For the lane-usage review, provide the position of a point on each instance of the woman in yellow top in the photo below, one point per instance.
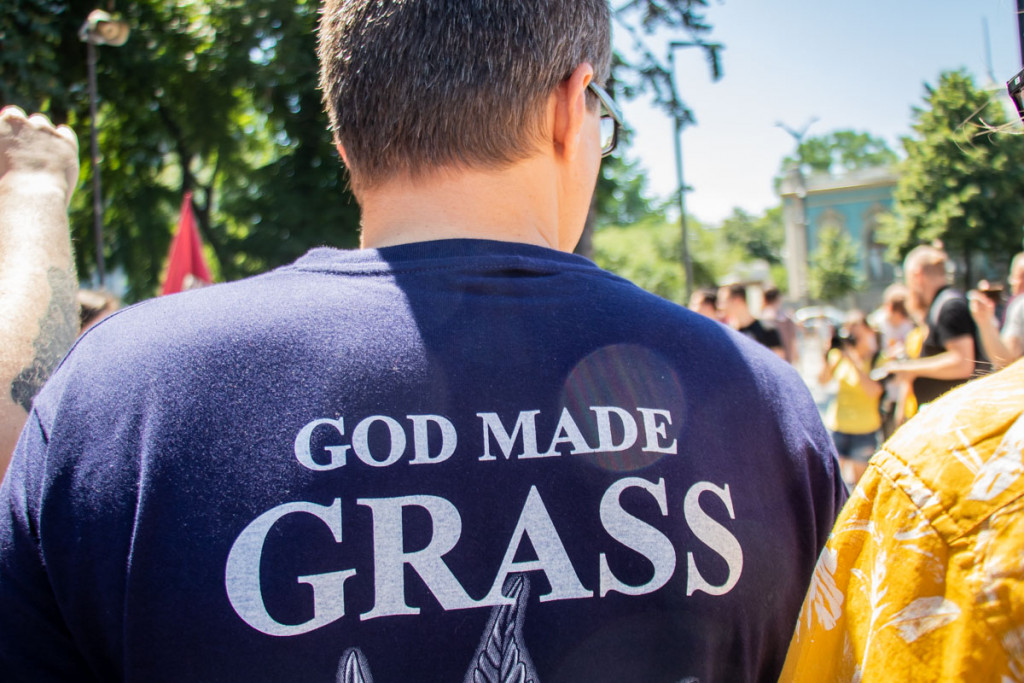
(853, 417)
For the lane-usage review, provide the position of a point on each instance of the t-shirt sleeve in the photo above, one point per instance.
(954, 320)
(772, 338)
(35, 644)
(1014, 325)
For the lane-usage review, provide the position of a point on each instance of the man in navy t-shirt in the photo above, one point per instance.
(459, 454)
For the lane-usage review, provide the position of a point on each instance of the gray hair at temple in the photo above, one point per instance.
(414, 86)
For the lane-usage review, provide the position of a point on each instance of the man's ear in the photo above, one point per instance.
(571, 111)
(341, 151)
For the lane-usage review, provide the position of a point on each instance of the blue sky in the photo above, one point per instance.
(854, 65)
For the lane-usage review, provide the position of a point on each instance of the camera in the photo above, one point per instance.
(840, 339)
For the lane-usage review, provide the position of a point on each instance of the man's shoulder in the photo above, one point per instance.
(1015, 314)
(948, 299)
(961, 455)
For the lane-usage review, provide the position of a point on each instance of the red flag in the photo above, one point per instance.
(186, 256)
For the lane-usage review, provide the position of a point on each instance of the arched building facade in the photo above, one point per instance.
(853, 203)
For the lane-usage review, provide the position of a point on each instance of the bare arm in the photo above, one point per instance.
(956, 362)
(1000, 350)
(828, 368)
(38, 313)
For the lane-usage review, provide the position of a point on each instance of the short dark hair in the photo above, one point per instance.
(771, 295)
(738, 292)
(412, 86)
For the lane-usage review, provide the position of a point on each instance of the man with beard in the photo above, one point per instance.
(952, 353)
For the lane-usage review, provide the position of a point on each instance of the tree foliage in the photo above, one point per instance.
(220, 97)
(641, 71)
(215, 97)
(962, 182)
(621, 195)
(647, 254)
(757, 237)
(833, 271)
(841, 151)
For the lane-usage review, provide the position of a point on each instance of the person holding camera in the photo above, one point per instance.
(853, 417)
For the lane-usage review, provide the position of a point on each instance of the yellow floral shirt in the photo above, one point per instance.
(922, 578)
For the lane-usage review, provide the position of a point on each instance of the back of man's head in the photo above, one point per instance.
(931, 262)
(415, 86)
(738, 293)
(772, 295)
(1017, 264)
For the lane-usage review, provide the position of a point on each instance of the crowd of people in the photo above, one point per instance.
(462, 452)
(924, 339)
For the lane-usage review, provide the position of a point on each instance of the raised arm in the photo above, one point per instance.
(38, 313)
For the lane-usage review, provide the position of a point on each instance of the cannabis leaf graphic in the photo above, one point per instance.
(352, 668)
(502, 655)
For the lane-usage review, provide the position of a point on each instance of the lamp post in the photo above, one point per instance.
(796, 222)
(100, 28)
(679, 119)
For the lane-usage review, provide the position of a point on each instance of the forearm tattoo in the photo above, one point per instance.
(57, 331)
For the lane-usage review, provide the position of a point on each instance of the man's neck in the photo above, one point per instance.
(743, 319)
(512, 204)
(933, 290)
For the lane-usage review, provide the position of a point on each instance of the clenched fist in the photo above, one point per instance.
(35, 154)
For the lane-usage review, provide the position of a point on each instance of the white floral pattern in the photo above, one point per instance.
(922, 616)
(824, 596)
(923, 576)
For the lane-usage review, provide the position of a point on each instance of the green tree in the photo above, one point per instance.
(833, 271)
(841, 151)
(621, 194)
(220, 98)
(647, 254)
(639, 71)
(757, 237)
(215, 97)
(962, 181)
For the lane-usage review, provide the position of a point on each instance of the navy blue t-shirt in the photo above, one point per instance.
(447, 461)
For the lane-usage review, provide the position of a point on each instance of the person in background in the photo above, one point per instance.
(899, 339)
(772, 316)
(922, 579)
(951, 353)
(732, 301)
(94, 306)
(705, 302)
(894, 323)
(1002, 347)
(38, 314)
(853, 416)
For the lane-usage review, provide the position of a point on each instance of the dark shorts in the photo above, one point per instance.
(858, 447)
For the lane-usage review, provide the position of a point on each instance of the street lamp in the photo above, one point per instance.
(796, 221)
(679, 118)
(100, 28)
